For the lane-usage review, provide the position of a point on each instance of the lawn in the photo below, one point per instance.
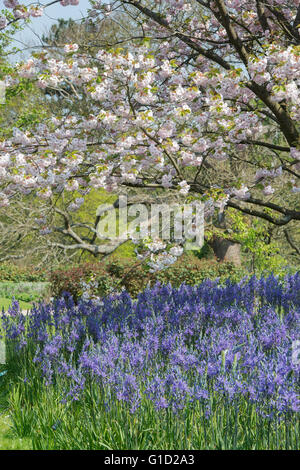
(5, 303)
(8, 438)
(25, 292)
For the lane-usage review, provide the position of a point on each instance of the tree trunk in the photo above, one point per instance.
(226, 250)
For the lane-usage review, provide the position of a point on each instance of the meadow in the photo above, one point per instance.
(211, 366)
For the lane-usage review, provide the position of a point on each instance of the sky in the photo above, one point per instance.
(39, 26)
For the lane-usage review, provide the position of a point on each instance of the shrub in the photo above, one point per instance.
(69, 280)
(188, 270)
(134, 277)
(14, 273)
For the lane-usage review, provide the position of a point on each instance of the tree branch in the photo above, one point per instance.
(193, 45)
(290, 241)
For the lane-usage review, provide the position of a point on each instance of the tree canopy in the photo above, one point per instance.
(200, 98)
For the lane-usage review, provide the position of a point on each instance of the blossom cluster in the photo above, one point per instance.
(23, 12)
(145, 140)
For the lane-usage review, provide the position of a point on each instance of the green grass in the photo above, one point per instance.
(5, 303)
(38, 414)
(8, 439)
(98, 422)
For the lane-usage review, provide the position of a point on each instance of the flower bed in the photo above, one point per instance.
(207, 366)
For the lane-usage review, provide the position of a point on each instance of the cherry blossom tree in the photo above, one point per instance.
(202, 100)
